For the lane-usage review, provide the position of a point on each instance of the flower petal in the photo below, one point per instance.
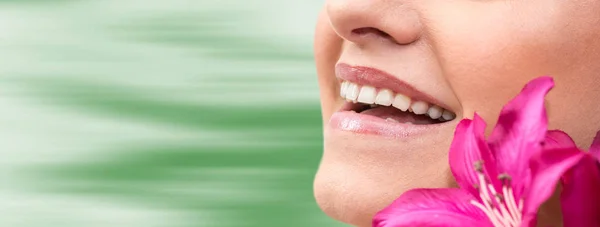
(580, 198)
(558, 139)
(547, 168)
(447, 207)
(520, 130)
(595, 148)
(467, 148)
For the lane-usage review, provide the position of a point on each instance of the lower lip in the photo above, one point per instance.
(367, 124)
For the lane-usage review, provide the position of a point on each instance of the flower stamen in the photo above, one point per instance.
(504, 212)
(514, 211)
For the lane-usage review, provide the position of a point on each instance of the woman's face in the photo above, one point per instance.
(462, 56)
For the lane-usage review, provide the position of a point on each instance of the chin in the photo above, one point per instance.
(361, 173)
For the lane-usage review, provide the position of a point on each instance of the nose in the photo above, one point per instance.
(364, 21)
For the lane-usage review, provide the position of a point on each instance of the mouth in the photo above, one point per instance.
(378, 103)
(392, 107)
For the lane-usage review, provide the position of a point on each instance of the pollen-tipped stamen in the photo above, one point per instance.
(505, 212)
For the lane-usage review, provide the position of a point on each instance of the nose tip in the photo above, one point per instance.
(362, 21)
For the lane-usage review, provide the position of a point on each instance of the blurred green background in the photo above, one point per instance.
(158, 113)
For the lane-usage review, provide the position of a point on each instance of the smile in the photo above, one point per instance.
(393, 107)
(378, 103)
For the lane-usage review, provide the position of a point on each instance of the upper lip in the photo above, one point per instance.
(377, 78)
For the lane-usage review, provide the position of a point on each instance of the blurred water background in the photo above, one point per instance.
(158, 113)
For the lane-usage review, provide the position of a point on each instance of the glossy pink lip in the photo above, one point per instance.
(365, 124)
(377, 78)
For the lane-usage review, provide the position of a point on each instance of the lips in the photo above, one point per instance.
(379, 103)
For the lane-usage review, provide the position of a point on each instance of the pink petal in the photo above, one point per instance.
(520, 131)
(547, 167)
(595, 148)
(467, 148)
(580, 198)
(529, 221)
(558, 139)
(432, 207)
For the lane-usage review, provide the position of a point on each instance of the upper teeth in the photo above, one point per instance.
(371, 95)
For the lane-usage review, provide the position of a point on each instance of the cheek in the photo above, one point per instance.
(489, 59)
(327, 49)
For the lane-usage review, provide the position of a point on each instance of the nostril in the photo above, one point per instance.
(370, 31)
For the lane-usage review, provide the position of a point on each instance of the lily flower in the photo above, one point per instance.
(502, 180)
(580, 195)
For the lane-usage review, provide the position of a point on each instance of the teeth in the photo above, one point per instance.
(385, 97)
(401, 102)
(343, 89)
(352, 92)
(447, 115)
(419, 107)
(435, 112)
(367, 95)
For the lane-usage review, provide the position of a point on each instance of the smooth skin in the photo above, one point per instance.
(474, 56)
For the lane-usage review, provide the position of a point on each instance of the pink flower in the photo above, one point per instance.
(580, 196)
(503, 181)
